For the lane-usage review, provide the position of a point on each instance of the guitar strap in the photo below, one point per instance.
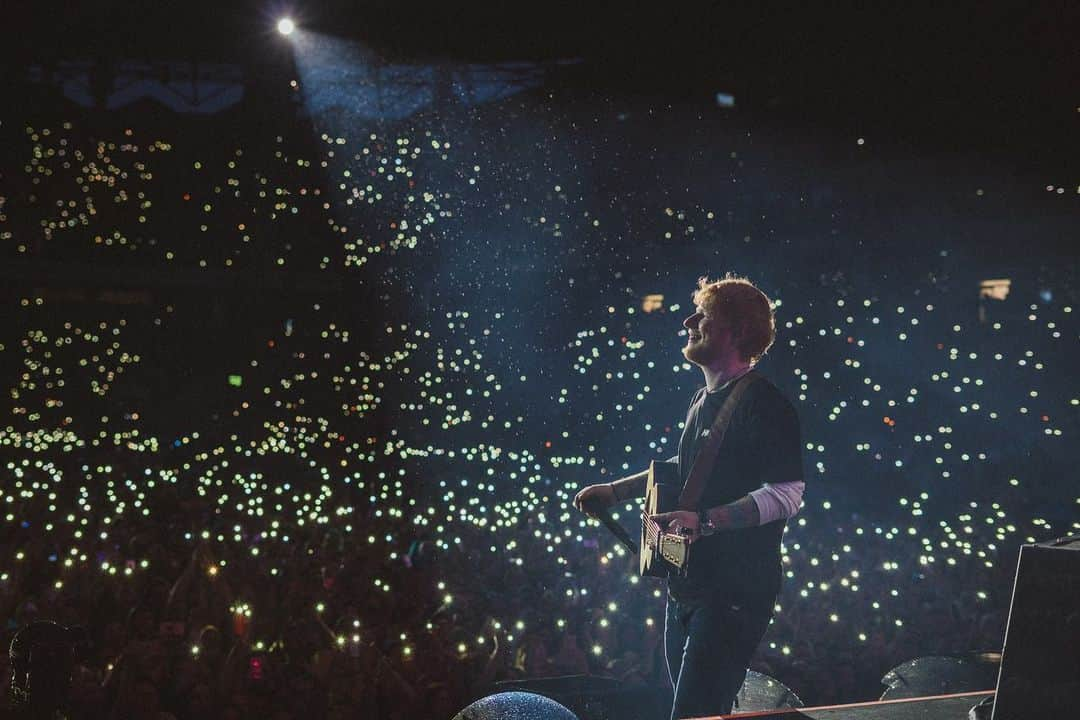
(703, 463)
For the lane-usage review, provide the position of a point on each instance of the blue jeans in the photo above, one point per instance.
(709, 646)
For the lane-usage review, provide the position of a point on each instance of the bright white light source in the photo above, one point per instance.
(285, 26)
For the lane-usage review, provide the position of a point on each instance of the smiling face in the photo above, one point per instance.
(732, 327)
(709, 339)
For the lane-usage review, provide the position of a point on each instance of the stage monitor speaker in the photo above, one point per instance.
(1040, 663)
(941, 675)
(760, 692)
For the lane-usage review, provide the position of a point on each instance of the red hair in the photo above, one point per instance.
(748, 310)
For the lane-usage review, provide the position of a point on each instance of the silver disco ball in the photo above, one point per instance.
(515, 706)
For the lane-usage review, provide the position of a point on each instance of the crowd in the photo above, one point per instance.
(376, 519)
(180, 635)
(217, 589)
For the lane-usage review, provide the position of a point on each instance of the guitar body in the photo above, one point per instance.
(661, 553)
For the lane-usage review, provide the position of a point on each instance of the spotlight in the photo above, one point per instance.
(285, 26)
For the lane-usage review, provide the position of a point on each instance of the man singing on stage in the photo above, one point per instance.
(718, 611)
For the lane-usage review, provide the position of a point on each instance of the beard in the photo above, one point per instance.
(695, 352)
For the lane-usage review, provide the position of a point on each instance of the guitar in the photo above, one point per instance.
(660, 553)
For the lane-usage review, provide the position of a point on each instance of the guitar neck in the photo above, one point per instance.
(617, 530)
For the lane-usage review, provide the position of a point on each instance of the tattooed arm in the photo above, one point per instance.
(742, 513)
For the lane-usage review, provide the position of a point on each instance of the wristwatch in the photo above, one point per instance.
(705, 525)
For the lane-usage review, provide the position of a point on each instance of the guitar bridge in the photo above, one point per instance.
(670, 547)
(674, 549)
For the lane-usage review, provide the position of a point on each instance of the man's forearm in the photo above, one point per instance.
(631, 486)
(742, 513)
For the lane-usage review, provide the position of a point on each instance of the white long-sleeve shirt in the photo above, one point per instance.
(776, 500)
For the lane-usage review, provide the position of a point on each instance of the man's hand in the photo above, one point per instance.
(683, 522)
(595, 498)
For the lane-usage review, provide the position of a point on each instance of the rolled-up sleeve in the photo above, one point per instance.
(781, 500)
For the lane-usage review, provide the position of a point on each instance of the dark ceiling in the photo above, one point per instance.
(996, 72)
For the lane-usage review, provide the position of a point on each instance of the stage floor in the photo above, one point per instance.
(938, 707)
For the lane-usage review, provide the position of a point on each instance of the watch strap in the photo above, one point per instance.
(705, 526)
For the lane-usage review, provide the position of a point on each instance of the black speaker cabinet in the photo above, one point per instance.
(1040, 663)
